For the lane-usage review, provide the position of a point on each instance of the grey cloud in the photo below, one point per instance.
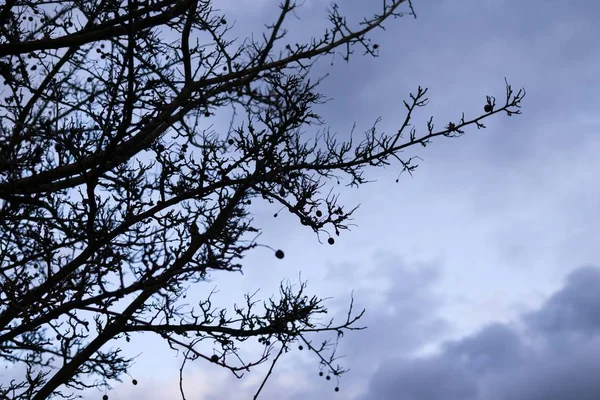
(574, 309)
(405, 317)
(556, 356)
(550, 374)
(495, 347)
(426, 379)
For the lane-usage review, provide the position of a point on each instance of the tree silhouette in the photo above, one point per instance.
(114, 201)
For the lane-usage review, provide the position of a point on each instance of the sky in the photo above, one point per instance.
(480, 273)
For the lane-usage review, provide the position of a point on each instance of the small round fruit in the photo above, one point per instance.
(134, 381)
(214, 358)
(337, 389)
(321, 373)
(230, 141)
(279, 254)
(328, 377)
(105, 397)
(319, 213)
(300, 347)
(331, 240)
(488, 108)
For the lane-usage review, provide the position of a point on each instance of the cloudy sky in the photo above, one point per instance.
(481, 274)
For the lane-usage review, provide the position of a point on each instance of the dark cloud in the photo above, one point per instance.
(573, 310)
(549, 374)
(495, 347)
(555, 356)
(424, 379)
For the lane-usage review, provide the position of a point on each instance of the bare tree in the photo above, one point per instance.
(113, 201)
